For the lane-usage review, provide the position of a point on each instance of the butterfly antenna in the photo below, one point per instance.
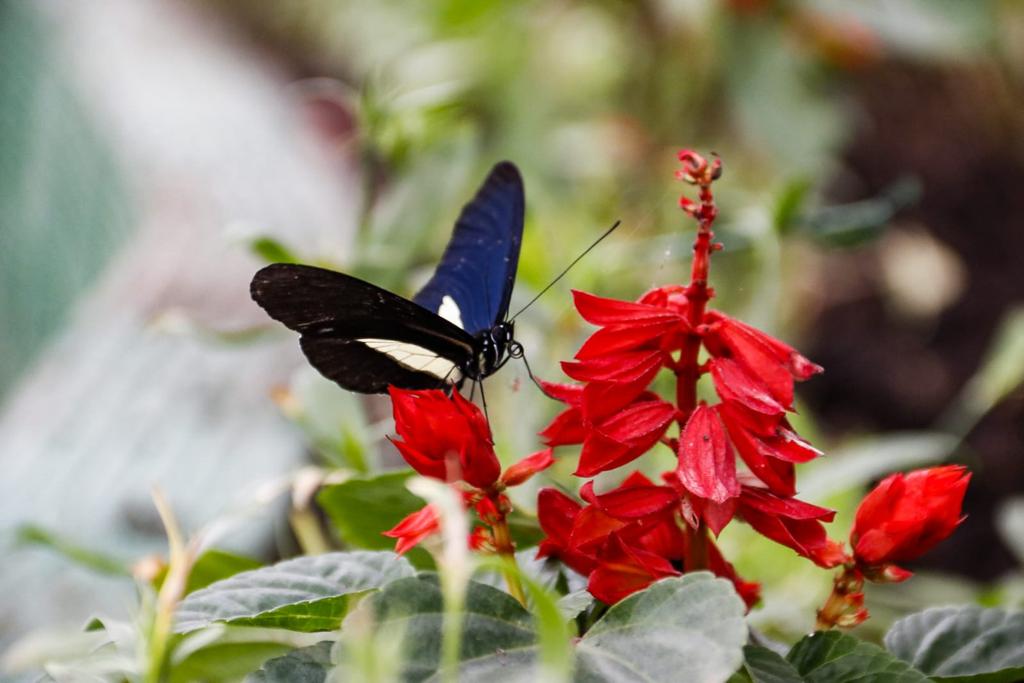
(567, 269)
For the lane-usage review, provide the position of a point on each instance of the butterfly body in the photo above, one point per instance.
(366, 338)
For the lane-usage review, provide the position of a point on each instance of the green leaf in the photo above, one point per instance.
(362, 509)
(689, 628)
(31, 534)
(216, 565)
(224, 661)
(790, 204)
(765, 666)
(498, 638)
(962, 644)
(305, 665)
(304, 594)
(834, 657)
(1001, 372)
(847, 225)
(272, 251)
(573, 604)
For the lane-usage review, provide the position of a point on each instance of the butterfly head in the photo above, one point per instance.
(494, 347)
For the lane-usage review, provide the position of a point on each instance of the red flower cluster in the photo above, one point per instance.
(652, 531)
(449, 439)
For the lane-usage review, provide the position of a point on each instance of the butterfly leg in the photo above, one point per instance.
(517, 351)
(483, 399)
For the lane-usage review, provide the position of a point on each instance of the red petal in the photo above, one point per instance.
(776, 475)
(414, 528)
(624, 570)
(566, 428)
(556, 513)
(636, 502)
(600, 454)
(790, 508)
(592, 527)
(527, 467)
(718, 515)
(625, 367)
(644, 422)
(571, 394)
(707, 467)
(618, 339)
(738, 334)
(599, 310)
(745, 345)
(635, 479)
(423, 464)
(601, 399)
(734, 384)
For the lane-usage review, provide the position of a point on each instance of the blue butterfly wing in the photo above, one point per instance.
(478, 269)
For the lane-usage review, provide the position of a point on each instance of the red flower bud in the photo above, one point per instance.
(444, 438)
(905, 516)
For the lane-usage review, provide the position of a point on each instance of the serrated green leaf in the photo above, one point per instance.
(765, 666)
(498, 637)
(362, 509)
(305, 665)
(834, 657)
(962, 644)
(689, 628)
(305, 594)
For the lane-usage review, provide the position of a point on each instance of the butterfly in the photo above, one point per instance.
(366, 338)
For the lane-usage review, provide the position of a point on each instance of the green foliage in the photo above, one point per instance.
(834, 657)
(33, 534)
(305, 665)
(362, 509)
(215, 565)
(764, 666)
(962, 644)
(497, 633)
(689, 628)
(305, 594)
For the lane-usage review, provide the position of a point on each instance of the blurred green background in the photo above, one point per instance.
(871, 210)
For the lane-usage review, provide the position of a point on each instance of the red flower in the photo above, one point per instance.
(768, 445)
(623, 569)
(414, 528)
(613, 440)
(905, 516)
(623, 539)
(773, 362)
(791, 522)
(444, 438)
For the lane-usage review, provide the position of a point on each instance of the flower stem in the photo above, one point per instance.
(506, 548)
(845, 604)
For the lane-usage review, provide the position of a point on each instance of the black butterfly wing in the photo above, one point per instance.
(359, 335)
(478, 268)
